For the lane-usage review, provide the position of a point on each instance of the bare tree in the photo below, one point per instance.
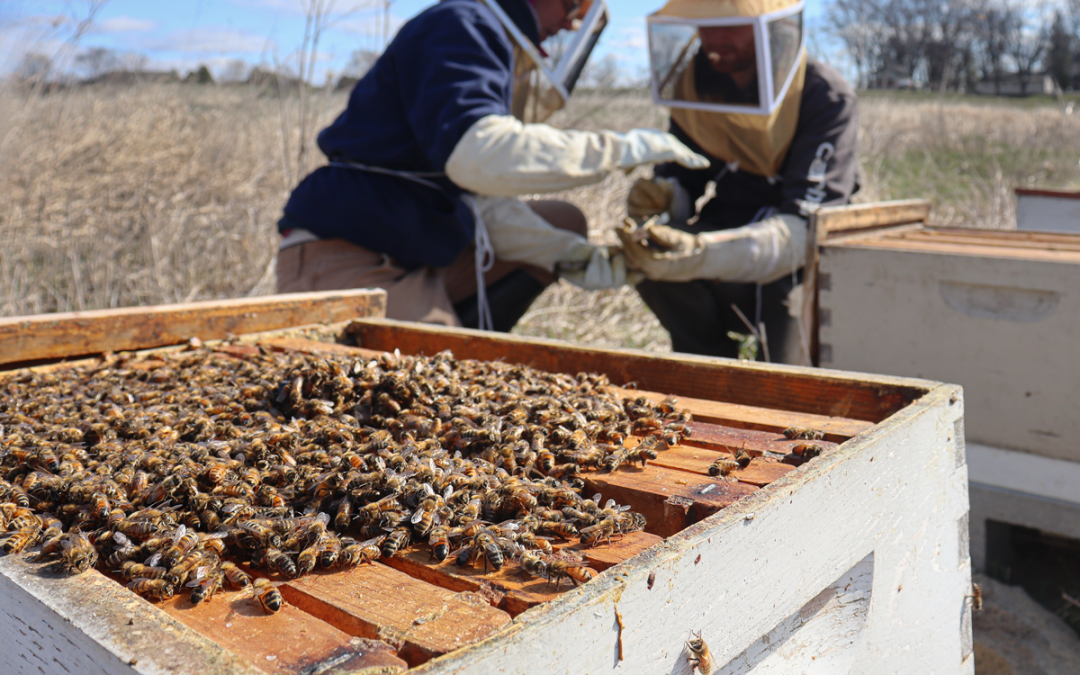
(234, 70)
(994, 20)
(1026, 38)
(602, 74)
(319, 16)
(33, 68)
(1059, 56)
(856, 24)
(360, 62)
(96, 61)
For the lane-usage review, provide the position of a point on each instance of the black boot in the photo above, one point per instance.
(509, 299)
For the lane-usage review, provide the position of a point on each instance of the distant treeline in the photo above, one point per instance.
(948, 45)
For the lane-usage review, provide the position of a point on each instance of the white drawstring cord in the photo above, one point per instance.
(484, 260)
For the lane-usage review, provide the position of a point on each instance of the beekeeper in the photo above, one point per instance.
(420, 195)
(780, 131)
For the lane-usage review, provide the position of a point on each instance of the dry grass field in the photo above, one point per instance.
(165, 193)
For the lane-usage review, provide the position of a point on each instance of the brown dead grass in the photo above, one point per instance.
(166, 193)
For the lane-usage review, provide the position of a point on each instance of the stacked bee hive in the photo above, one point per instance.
(299, 457)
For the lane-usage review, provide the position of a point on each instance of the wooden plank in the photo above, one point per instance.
(55, 336)
(966, 250)
(288, 641)
(508, 589)
(759, 473)
(836, 220)
(90, 625)
(374, 601)
(837, 429)
(670, 500)
(977, 239)
(620, 549)
(826, 393)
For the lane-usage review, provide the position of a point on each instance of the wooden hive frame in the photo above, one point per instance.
(777, 570)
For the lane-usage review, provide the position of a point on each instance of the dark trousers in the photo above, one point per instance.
(698, 315)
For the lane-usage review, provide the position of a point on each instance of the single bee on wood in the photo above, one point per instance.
(800, 434)
(976, 597)
(267, 597)
(700, 658)
(723, 465)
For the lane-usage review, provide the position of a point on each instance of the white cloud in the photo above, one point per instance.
(124, 24)
(209, 39)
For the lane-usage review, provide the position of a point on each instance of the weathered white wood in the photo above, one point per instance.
(1004, 327)
(860, 556)
(898, 492)
(1024, 472)
(1047, 210)
(823, 636)
(88, 624)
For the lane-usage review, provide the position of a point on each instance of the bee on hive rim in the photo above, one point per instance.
(700, 658)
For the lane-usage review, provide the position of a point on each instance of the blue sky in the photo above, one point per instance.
(182, 34)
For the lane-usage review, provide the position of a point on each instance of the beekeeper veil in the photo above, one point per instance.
(546, 75)
(732, 72)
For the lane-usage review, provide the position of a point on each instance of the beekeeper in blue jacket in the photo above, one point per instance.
(426, 164)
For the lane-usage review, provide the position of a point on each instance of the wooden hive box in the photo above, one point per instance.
(996, 312)
(853, 560)
(1044, 210)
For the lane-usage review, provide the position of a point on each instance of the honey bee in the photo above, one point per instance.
(799, 434)
(642, 453)
(700, 658)
(742, 457)
(398, 539)
(591, 536)
(206, 583)
(560, 529)
(262, 535)
(439, 540)
(343, 518)
(236, 577)
(976, 598)
(722, 466)
(281, 562)
(614, 460)
(131, 570)
(155, 589)
(576, 571)
(78, 554)
(356, 553)
(183, 541)
(21, 539)
(308, 558)
(267, 597)
(179, 572)
(807, 451)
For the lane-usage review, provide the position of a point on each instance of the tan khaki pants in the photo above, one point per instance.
(426, 294)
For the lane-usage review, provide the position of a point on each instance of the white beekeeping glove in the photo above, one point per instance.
(518, 234)
(761, 252)
(501, 157)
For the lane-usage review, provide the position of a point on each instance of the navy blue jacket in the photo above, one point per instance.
(447, 67)
(820, 167)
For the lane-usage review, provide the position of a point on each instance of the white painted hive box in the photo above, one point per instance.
(856, 559)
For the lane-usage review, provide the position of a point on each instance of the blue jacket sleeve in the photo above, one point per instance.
(463, 73)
